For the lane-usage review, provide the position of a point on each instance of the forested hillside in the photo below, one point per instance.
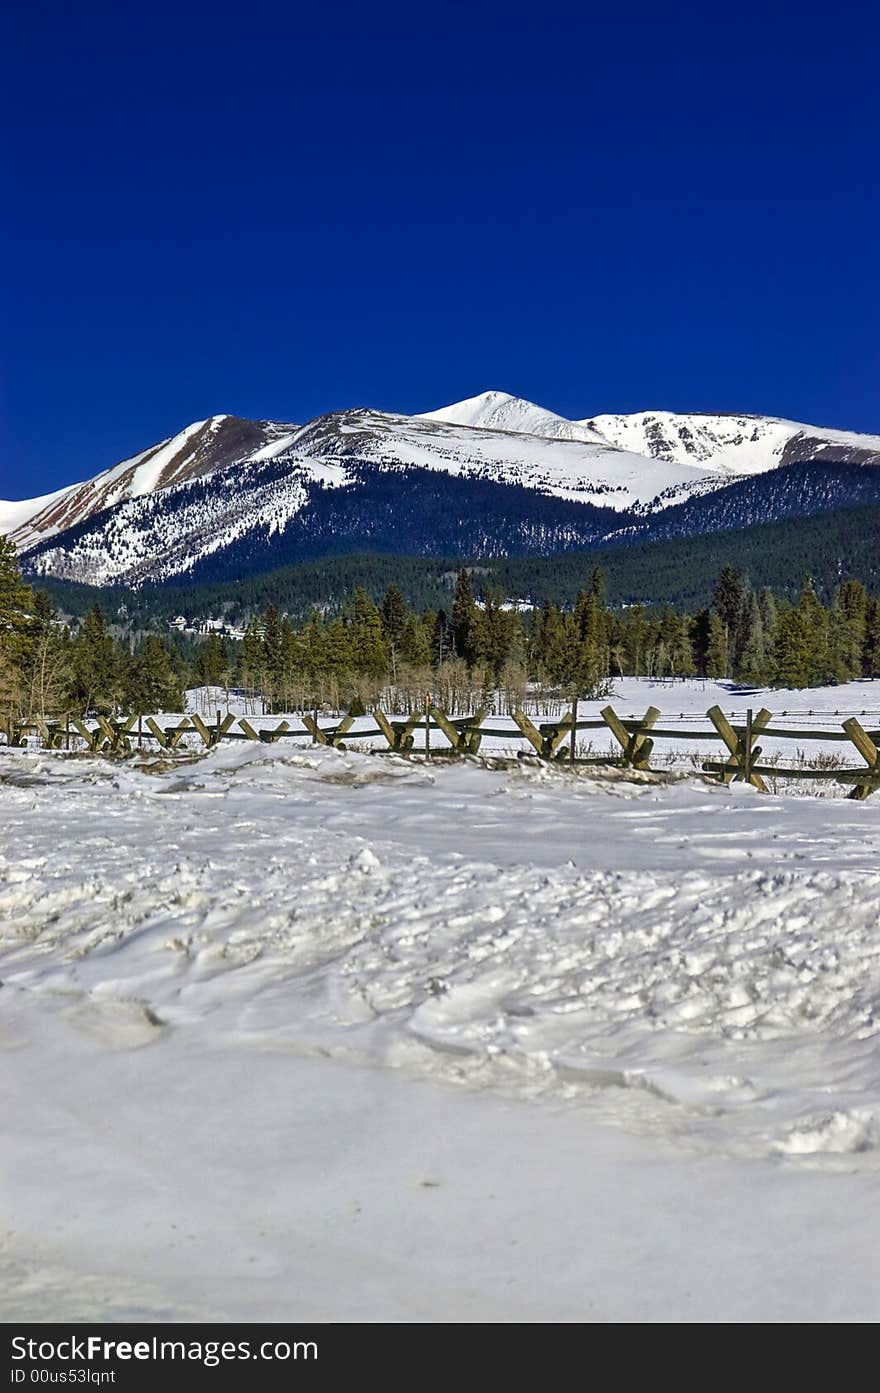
(680, 572)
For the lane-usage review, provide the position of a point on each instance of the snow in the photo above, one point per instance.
(727, 445)
(14, 514)
(362, 1038)
(584, 471)
(500, 411)
(137, 540)
(136, 477)
(145, 478)
(39, 517)
(853, 439)
(276, 447)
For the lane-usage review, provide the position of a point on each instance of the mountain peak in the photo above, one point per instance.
(494, 410)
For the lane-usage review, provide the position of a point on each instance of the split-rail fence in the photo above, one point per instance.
(740, 757)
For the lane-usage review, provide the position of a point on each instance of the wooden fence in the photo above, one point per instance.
(556, 740)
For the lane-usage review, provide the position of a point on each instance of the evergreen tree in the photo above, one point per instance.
(728, 601)
(313, 651)
(683, 664)
(464, 619)
(637, 640)
(369, 650)
(871, 650)
(16, 606)
(591, 635)
(338, 657)
(394, 616)
(769, 616)
(251, 665)
(442, 639)
(552, 644)
(394, 620)
(491, 634)
(848, 627)
(96, 666)
(415, 643)
(273, 657)
(699, 633)
(752, 655)
(716, 647)
(819, 667)
(728, 596)
(791, 656)
(152, 684)
(212, 662)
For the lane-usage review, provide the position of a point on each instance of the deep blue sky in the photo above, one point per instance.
(278, 210)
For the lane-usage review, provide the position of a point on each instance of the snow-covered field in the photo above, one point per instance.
(301, 1033)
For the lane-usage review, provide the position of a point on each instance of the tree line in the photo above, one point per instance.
(390, 651)
(752, 637)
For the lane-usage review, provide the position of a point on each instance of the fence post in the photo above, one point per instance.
(158, 732)
(747, 749)
(553, 736)
(427, 728)
(178, 732)
(574, 717)
(637, 748)
(206, 733)
(734, 767)
(473, 741)
(869, 752)
(405, 737)
(386, 728)
(343, 725)
(311, 725)
(529, 730)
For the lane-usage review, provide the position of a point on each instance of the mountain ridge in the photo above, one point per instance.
(511, 478)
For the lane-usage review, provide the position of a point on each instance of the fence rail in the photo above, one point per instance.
(549, 740)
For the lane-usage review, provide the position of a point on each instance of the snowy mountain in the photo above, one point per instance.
(732, 445)
(493, 475)
(197, 450)
(500, 411)
(588, 470)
